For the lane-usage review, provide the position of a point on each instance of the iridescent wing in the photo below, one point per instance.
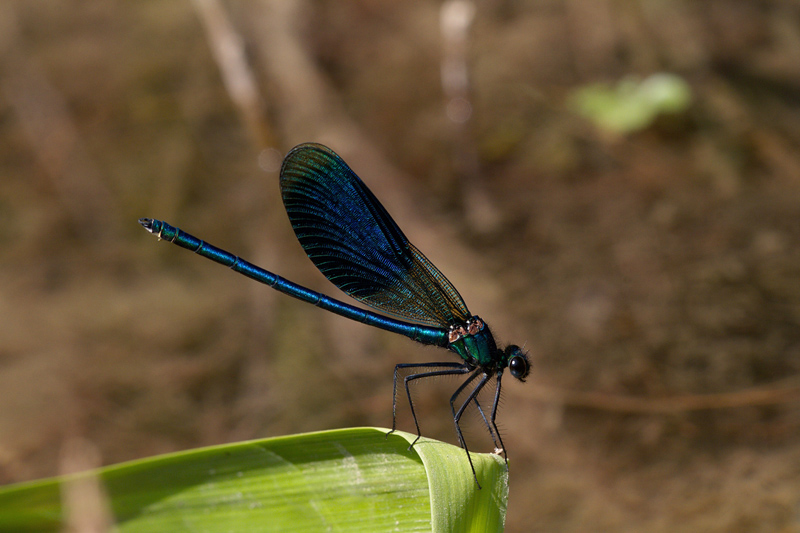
(354, 242)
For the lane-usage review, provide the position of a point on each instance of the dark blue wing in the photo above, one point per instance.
(354, 242)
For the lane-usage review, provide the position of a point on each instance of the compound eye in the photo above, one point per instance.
(519, 366)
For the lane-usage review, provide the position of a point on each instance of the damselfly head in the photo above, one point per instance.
(518, 363)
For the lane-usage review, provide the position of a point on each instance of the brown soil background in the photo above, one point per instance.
(654, 277)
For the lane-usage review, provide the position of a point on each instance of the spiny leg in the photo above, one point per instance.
(452, 368)
(409, 379)
(457, 415)
(493, 415)
(455, 395)
(489, 426)
(413, 365)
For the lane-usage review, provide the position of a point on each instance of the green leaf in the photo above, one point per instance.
(632, 104)
(343, 480)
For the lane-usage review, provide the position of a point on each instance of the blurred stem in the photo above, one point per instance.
(228, 49)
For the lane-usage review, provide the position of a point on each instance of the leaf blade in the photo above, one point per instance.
(354, 479)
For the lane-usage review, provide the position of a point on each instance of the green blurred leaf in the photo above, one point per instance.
(632, 104)
(342, 480)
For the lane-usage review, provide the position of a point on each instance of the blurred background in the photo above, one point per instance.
(613, 185)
